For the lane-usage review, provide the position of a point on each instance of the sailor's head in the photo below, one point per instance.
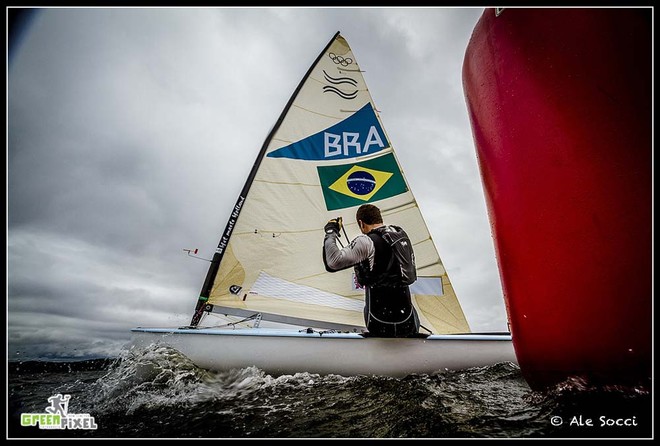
(368, 215)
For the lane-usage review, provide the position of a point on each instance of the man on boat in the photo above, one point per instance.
(388, 309)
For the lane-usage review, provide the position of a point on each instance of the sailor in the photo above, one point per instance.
(388, 309)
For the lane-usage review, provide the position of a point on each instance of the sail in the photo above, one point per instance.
(328, 154)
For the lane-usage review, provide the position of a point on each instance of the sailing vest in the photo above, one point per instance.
(394, 262)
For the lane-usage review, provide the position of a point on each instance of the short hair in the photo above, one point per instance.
(369, 214)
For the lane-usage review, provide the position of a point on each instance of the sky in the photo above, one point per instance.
(131, 132)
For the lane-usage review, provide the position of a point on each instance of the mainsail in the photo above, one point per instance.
(327, 154)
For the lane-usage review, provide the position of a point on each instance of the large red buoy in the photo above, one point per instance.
(560, 103)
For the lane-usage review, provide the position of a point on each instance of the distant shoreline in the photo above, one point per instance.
(58, 364)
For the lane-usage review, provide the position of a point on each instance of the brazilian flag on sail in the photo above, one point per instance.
(348, 185)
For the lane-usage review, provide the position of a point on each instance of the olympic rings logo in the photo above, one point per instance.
(339, 60)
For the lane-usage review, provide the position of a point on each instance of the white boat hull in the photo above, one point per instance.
(281, 352)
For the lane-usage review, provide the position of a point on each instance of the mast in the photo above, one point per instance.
(202, 304)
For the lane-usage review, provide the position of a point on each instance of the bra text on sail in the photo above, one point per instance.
(349, 143)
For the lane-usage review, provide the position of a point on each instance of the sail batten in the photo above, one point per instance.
(337, 118)
(285, 319)
(327, 154)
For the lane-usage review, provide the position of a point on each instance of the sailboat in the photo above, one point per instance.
(267, 300)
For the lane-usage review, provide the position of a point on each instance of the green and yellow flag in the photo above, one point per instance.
(348, 185)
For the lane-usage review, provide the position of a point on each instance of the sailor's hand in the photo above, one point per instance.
(332, 226)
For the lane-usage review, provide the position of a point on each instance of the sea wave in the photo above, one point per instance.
(157, 392)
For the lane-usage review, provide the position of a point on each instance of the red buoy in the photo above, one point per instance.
(560, 103)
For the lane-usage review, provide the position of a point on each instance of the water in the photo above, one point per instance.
(159, 393)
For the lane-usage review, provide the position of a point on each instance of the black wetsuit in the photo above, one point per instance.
(388, 310)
